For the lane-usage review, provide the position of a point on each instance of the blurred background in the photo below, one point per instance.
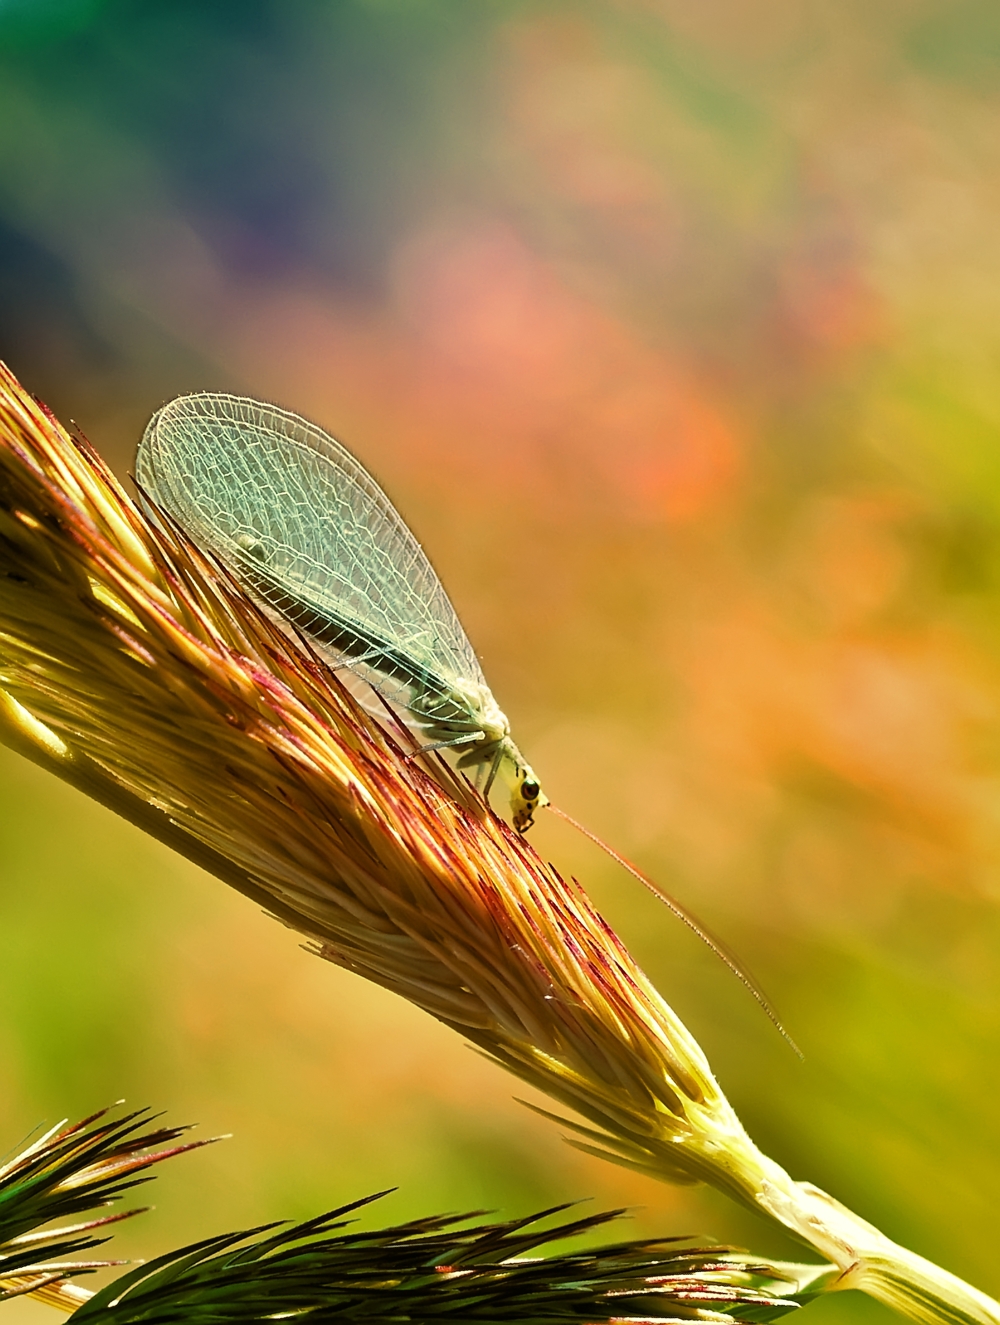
(673, 328)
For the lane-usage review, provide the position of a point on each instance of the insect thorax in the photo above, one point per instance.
(469, 706)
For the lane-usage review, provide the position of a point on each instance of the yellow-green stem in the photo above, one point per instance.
(866, 1258)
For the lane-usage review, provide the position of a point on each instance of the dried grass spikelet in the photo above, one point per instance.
(136, 669)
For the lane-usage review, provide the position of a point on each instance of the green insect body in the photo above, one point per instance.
(307, 530)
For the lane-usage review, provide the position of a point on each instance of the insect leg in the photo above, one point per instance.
(459, 740)
(494, 769)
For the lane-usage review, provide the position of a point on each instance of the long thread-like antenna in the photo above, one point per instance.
(684, 915)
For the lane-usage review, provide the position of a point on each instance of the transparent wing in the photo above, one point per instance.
(292, 512)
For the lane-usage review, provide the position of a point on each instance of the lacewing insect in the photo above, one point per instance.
(298, 520)
(301, 524)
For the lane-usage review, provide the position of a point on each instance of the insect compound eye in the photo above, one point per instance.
(530, 790)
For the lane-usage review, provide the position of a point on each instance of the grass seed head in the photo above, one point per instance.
(134, 666)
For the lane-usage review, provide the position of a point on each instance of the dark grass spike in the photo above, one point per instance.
(434, 1269)
(68, 1170)
(80, 1167)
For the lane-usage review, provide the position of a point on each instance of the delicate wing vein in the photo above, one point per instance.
(298, 517)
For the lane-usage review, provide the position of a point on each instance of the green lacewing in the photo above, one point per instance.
(300, 522)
